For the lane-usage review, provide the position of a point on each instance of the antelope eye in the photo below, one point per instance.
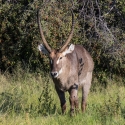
(60, 58)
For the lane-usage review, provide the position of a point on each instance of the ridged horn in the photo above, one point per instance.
(41, 33)
(70, 35)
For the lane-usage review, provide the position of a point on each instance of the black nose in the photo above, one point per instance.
(53, 74)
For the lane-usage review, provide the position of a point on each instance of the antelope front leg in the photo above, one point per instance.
(61, 95)
(73, 99)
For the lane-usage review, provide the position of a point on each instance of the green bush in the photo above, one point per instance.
(99, 27)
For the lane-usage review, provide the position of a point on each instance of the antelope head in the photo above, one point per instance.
(57, 57)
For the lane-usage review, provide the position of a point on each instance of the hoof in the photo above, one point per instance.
(72, 113)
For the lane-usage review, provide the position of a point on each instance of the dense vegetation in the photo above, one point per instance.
(27, 92)
(100, 27)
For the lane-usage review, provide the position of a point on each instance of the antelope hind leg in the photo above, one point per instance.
(85, 91)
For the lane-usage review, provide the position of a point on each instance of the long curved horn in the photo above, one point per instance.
(41, 33)
(71, 34)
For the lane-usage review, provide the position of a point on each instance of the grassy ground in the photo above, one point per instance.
(31, 100)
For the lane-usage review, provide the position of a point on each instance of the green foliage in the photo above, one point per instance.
(103, 34)
(18, 29)
(46, 105)
(99, 27)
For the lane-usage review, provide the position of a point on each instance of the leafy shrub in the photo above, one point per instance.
(99, 27)
(46, 105)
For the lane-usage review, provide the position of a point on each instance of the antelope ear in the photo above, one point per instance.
(69, 50)
(42, 49)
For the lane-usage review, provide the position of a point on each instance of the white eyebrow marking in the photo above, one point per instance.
(57, 61)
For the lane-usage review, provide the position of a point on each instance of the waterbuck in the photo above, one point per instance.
(71, 67)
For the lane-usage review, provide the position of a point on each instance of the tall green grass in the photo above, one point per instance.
(30, 99)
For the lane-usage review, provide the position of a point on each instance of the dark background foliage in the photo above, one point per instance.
(100, 27)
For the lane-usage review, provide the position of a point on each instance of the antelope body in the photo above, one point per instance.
(71, 67)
